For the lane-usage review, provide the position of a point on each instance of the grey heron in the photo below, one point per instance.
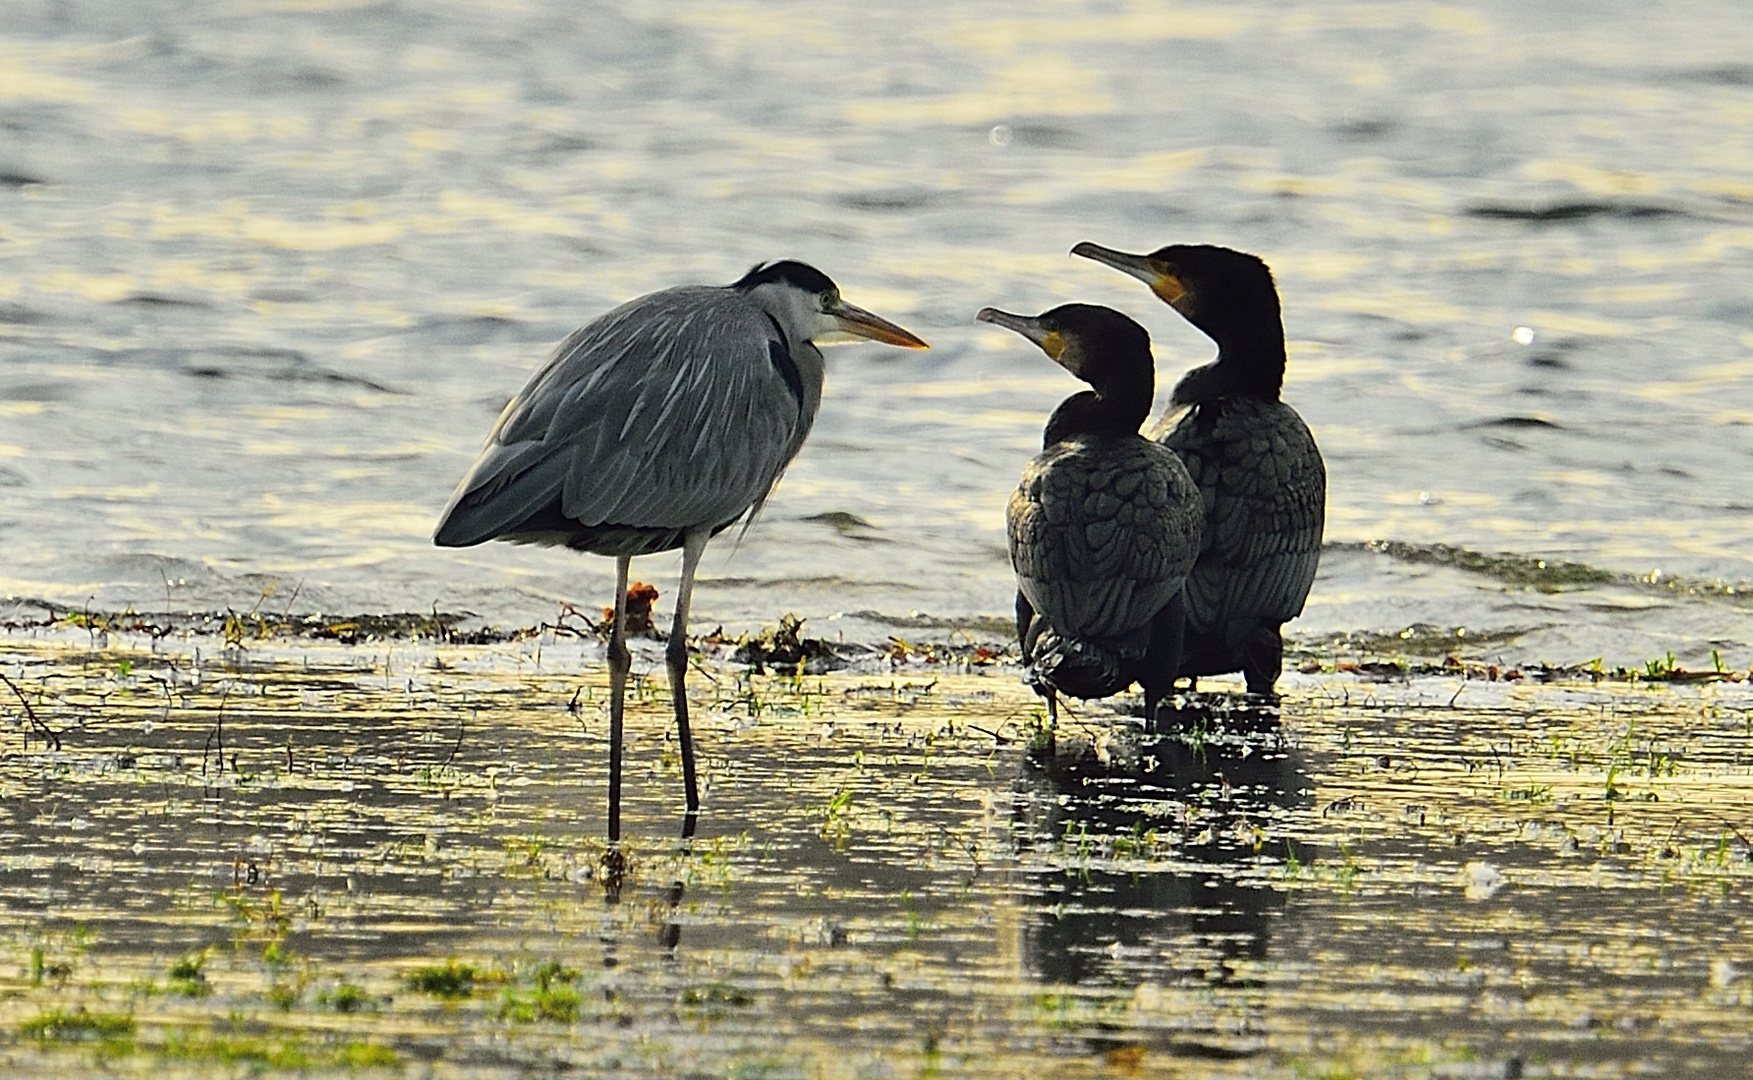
(655, 427)
(1258, 469)
(1105, 524)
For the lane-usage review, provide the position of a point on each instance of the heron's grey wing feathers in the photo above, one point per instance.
(506, 485)
(663, 412)
(1264, 488)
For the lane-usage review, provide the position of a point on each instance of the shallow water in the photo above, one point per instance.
(394, 862)
(267, 273)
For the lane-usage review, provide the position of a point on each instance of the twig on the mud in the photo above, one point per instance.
(1739, 835)
(50, 739)
(591, 629)
(995, 736)
(162, 629)
(972, 849)
(218, 733)
(462, 726)
(286, 612)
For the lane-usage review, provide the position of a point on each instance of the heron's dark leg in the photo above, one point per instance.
(677, 657)
(1263, 660)
(620, 663)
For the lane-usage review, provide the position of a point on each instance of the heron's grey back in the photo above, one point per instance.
(672, 411)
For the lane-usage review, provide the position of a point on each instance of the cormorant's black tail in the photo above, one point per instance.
(1082, 669)
(1085, 668)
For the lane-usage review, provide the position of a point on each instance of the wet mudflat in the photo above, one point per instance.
(387, 859)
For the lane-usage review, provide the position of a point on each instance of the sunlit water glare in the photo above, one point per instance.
(267, 274)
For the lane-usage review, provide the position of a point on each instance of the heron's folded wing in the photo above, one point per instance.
(666, 412)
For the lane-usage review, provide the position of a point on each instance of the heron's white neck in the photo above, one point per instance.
(798, 313)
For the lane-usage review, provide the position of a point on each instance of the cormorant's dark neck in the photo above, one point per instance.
(1250, 363)
(1116, 408)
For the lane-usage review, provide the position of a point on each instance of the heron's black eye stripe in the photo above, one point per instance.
(780, 354)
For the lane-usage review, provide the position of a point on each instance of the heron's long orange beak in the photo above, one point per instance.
(861, 323)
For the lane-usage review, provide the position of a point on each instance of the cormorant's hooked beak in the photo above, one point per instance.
(1153, 272)
(1032, 328)
(861, 323)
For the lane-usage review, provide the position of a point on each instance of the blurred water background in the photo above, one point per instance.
(269, 270)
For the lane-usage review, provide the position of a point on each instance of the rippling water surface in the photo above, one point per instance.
(268, 271)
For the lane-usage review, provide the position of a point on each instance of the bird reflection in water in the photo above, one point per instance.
(1198, 920)
(665, 913)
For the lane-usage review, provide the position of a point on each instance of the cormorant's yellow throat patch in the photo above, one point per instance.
(1169, 287)
(1053, 344)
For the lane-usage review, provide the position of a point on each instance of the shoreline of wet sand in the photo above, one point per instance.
(338, 858)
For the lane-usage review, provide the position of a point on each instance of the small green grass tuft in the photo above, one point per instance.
(237, 1049)
(359, 1055)
(60, 1024)
(558, 1003)
(187, 977)
(716, 994)
(447, 980)
(554, 997)
(258, 1053)
(553, 971)
(346, 998)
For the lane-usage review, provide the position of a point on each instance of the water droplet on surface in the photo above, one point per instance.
(999, 135)
(1522, 335)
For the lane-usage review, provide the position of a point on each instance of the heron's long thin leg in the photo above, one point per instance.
(620, 663)
(677, 657)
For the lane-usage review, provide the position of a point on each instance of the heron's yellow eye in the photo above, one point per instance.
(1053, 344)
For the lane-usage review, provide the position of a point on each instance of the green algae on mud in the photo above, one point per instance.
(327, 859)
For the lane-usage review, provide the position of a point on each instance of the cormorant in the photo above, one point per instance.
(1105, 523)
(1259, 472)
